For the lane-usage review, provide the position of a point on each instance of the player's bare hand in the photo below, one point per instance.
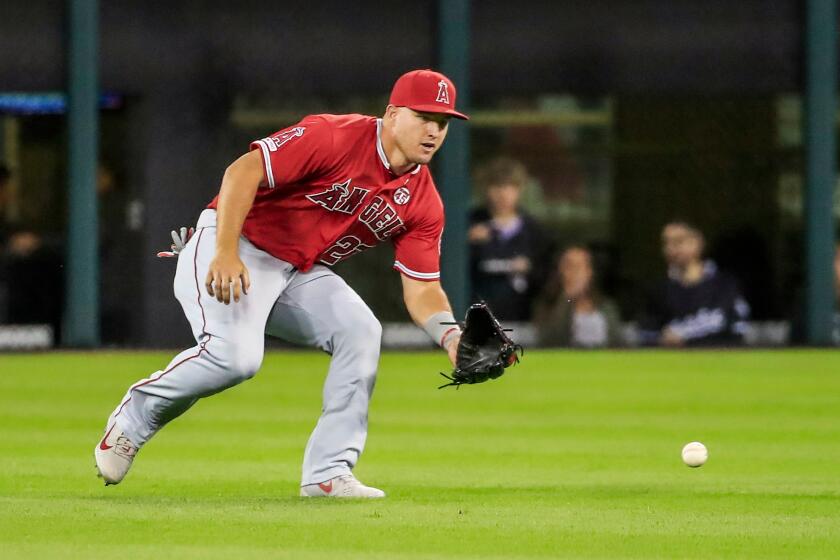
(452, 349)
(227, 277)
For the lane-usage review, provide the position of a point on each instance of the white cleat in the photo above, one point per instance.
(114, 455)
(343, 486)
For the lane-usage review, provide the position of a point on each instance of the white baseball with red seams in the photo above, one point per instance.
(695, 454)
(329, 193)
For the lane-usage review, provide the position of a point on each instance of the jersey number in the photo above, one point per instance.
(343, 248)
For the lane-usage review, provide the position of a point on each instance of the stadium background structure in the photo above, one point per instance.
(457, 32)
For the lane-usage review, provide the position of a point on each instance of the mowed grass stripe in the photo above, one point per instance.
(569, 455)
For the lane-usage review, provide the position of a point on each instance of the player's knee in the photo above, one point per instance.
(368, 332)
(373, 330)
(246, 367)
(241, 361)
(363, 333)
(247, 361)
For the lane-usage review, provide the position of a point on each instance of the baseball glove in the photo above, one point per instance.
(485, 349)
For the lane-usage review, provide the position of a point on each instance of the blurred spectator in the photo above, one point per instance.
(697, 304)
(116, 261)
(31, 269)
(5, 177)
(571, 311)
(32, 265)
(507, 247)
(5, 180)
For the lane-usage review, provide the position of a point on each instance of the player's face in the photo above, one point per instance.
(680, 245)
(419, 135)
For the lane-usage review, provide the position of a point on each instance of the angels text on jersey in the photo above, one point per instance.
(380, 217)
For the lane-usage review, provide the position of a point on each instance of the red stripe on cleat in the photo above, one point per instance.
(104, 446)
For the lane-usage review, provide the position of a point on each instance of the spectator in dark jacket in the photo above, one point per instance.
(571, 310)
(697, 304)
(508, 254)
(30, 269)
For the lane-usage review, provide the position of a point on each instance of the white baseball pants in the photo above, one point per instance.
(314, 308)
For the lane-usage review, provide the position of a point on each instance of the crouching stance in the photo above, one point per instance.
(300, 201)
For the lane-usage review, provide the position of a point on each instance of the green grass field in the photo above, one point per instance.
(569, 455)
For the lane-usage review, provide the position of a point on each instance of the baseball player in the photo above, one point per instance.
(298, 202)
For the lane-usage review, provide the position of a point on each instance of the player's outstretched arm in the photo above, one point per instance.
(227, 275)
(429, 307)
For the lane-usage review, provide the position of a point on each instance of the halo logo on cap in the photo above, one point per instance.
(443, 92)
(426, 91)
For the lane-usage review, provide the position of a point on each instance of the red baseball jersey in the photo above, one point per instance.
(329, 193)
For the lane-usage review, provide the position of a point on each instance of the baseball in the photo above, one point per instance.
(695, 454)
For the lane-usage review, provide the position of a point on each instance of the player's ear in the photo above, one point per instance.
(390, 112)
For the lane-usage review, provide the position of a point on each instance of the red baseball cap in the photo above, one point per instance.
(426, 91)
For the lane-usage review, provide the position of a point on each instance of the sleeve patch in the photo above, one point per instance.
(273, 143)
(271, 153)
